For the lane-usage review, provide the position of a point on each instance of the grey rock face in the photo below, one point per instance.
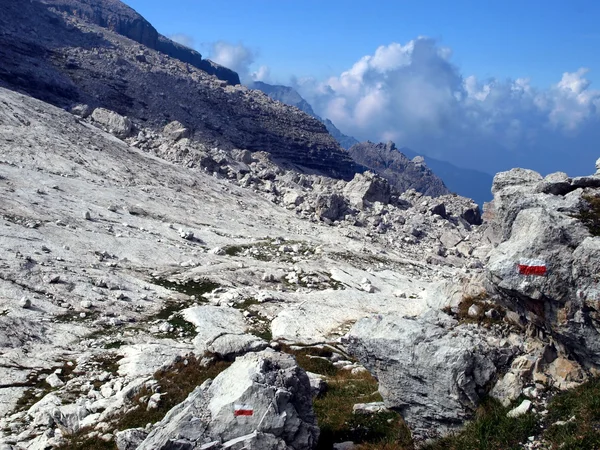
(429, 369)
(114, 123)
(331, 206)
(221, 331)
(557, 183)
(544, 268)
(119, 18)
(367, 187)
(176, 130)
(264, 398)
(73, 65)
(402, 173)
(130, 439)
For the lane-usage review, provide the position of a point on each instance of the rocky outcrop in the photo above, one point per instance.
(112, 122)
(115, 16)
(402, 173)
(221, 331)
(369, 188)
(81, 63)
(546, 266)
(429, 369)
(263, 402)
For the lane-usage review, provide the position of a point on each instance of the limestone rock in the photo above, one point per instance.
(331, 206)
(557, 183)
(222, 331)
(130, 439)
(116, 124)
(367, 187)
(176, 130)
(523, 408)
(402, 173)
(429, 369)
(264, 393)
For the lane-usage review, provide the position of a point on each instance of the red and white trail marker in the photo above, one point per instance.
(243, 410)
(535, 267)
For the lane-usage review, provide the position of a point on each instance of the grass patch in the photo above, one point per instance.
(490, 430)
(37, 386)
(114, 344)
(190, 287)
(170, 311)
(82, 441)
(338, 423)
(583, 403)
(235, 250)
(247, 303)
(312, 359)
(176, 382)
(75, 317)
(590, 214)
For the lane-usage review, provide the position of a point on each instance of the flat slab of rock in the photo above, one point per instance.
(145, 359)
(222, 330)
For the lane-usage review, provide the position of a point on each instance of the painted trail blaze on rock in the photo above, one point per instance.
(535, 267)
(243, 410)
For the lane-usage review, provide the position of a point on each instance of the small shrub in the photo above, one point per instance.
(590, 214)
(490, 430)
(190, 287)
(176, 382)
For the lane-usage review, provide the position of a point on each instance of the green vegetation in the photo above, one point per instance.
(37, 386)
(176, 383)
(590, 214)
(189, 287)
(114, 344)
(171, 309)
(582, 404)
(82, 441)
(338, 423)
(312, 359)
(490, 430)
(75, 317)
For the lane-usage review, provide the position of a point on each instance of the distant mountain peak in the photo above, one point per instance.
(385, 160)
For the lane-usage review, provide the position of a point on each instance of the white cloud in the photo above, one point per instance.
(240, 58)
(415, 92)
(183, 39)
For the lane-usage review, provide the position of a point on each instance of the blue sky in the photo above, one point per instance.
(488, 85)
(507, 38)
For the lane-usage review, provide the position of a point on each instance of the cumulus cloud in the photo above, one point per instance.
(415, 95)
(240, 58)
(183, 39)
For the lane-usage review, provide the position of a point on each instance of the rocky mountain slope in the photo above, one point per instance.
(290, 96)
(161, 287)
(466, 182)
(402, 173)
(67, 61)
(120, 18)
(99, 235)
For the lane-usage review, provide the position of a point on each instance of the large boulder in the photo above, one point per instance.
(263, 401)
(367, 188)
(114, 123)
(430, 369)
(545, 268)
(331, 206)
